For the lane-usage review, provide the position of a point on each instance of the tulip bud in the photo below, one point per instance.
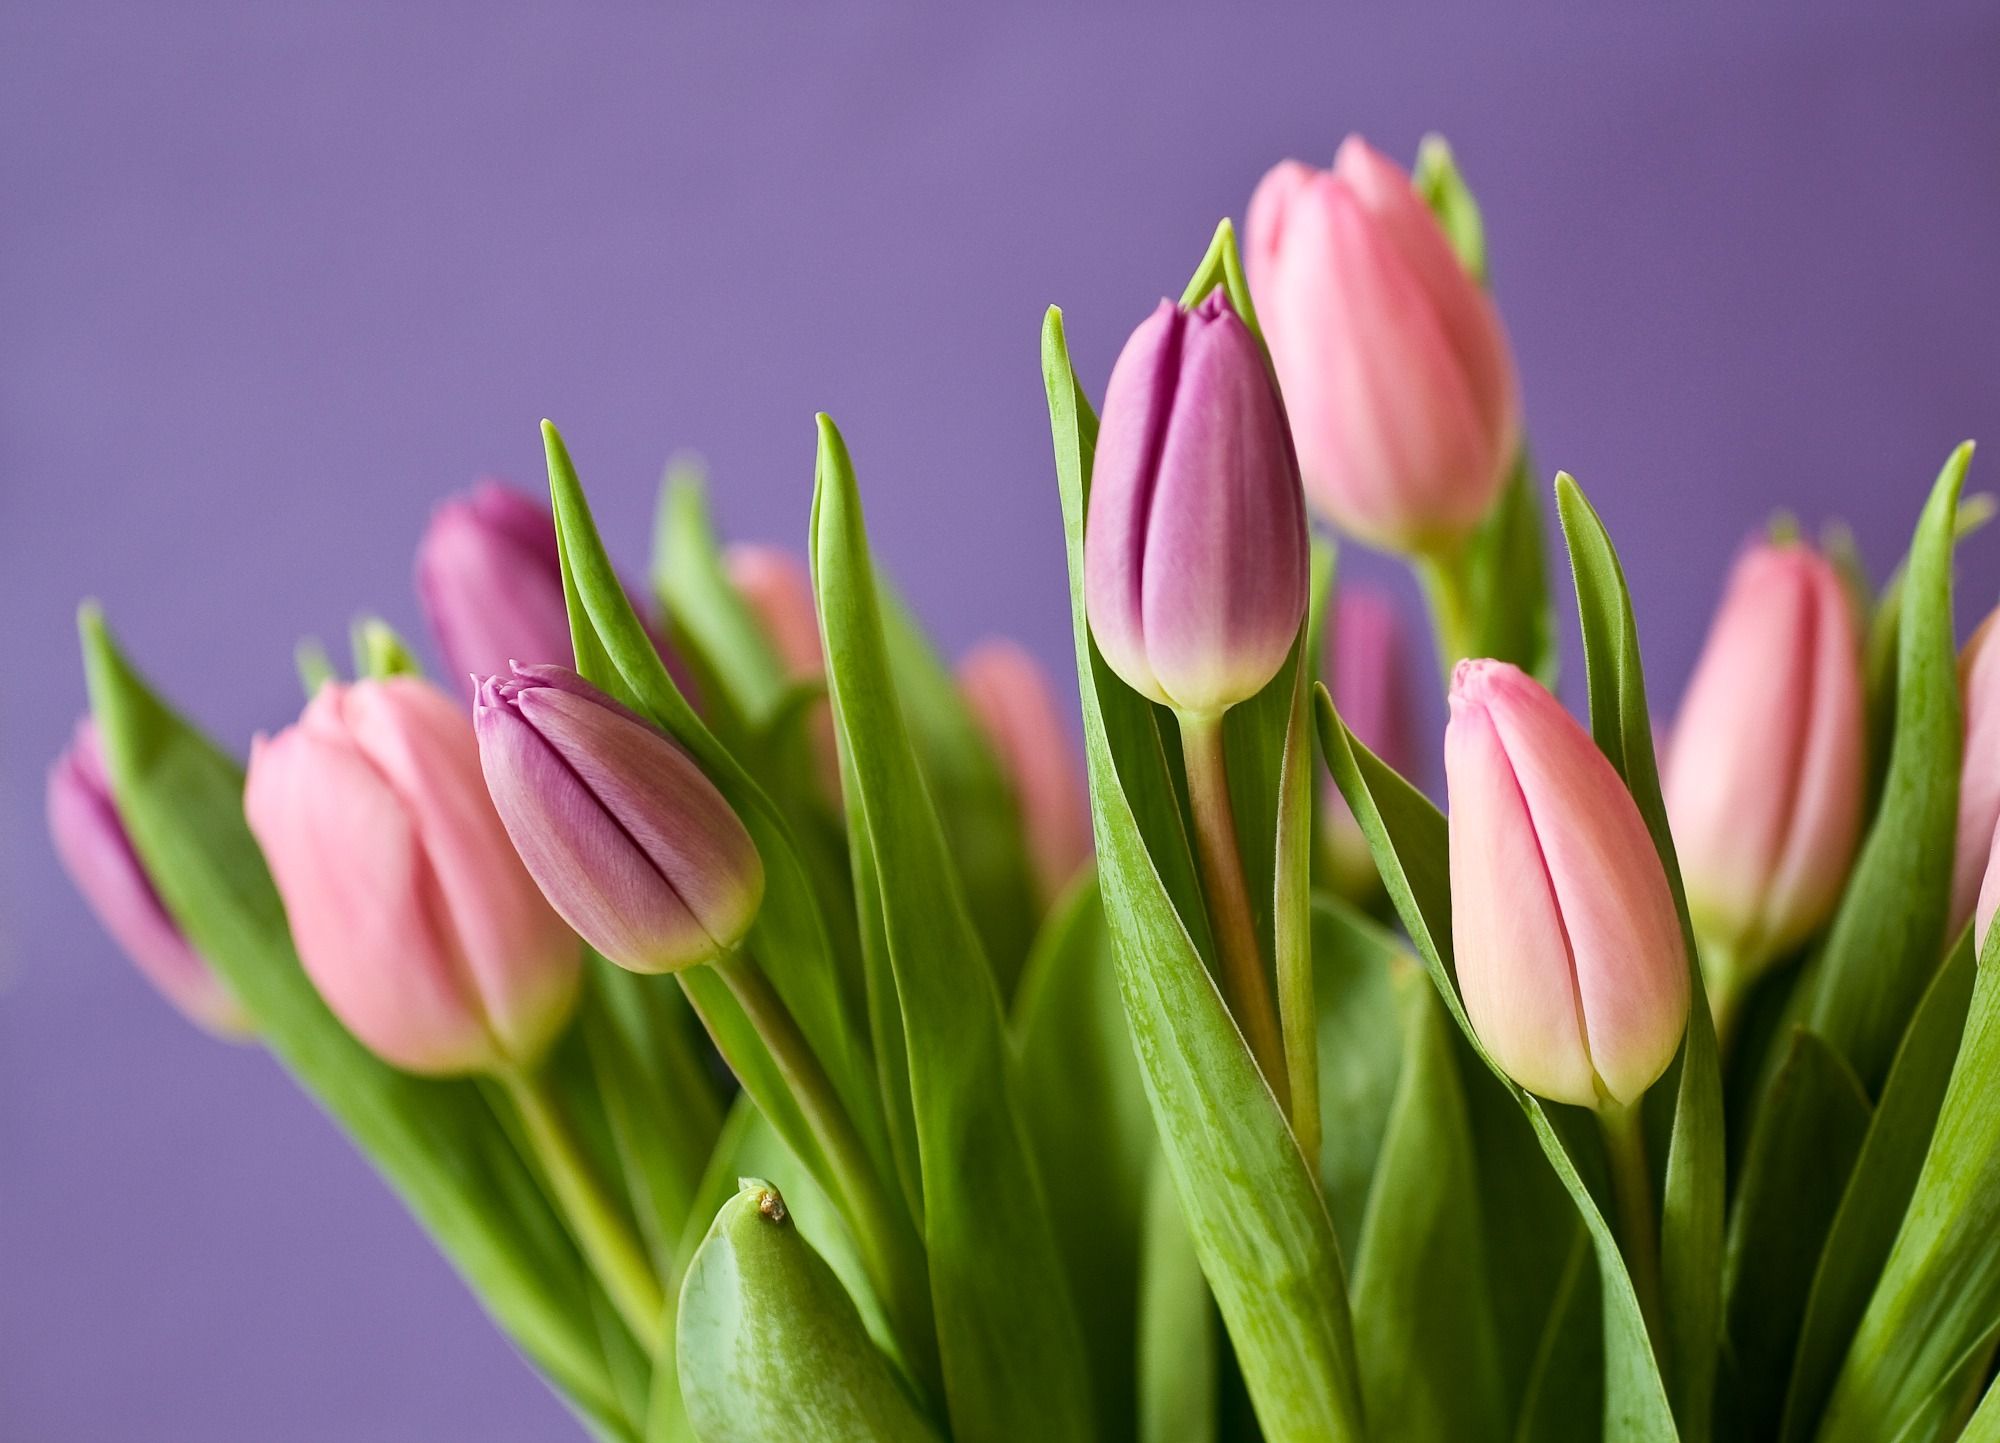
(410, 910)
(91, 841)
(626, 836)
(1010, 696)
(1367, 672)
(779, 592)
(1195, 565)
(1764, 783)
(1395, 369)
(1569, 948)
(1979, 777)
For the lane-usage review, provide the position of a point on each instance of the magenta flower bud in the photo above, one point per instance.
(1367, 670)
(626, 836)
(1979, 776)
(410, 910)
(489, 576)
(1194, 552)
(779, 592)
(91, 841)
(1764, 783)
(1396, 371)
(1569, 948)
(1010, 695)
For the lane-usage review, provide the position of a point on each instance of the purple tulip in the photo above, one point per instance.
(627, 838)
(1367, 669)
(1195, 563)
(91, 841)
(490, 579)
(1979, 777)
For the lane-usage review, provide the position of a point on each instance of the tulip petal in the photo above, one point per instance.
(1979, 785)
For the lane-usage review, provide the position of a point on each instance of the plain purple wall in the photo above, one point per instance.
(273, 278)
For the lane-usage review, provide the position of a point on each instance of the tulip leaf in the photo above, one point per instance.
(1252, 1207)
(1408, 837)
(1562, 1393)
(1811, 1127)
(1221, 269)
(770, 1345)
(1888, 933)
(1984, 1425)
(1877, 1190)
(1361, 1046)
(1178, 1386)
(437, 1143)
(1691, 1213)
(1007, 1331)
(1939, 1293)
(1086, 1113)
(314, 666)
(380, 652)
(1430, 1366)
(1444, 190)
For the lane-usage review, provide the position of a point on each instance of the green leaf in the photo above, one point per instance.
(770, 1345)
(1361, 1044)
(1085, 1107)
(1811, 1129)
(380, 652)
(1221, 269)
(1007, 1331)
(1877, 1190)
(1252, 1207)
(1691, 1213)
(1562, 1399)
(1430, 1365)
(437, 1143)
(1507, 575)
(314, 666)
(1444, 190)
(1886, 937)
(1407, 835)
(1940, 1291)
(1178, 1387)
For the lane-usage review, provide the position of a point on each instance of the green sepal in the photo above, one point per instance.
(1437, 179)
(379, 652)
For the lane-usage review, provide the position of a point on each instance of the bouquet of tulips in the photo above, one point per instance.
(731, 993)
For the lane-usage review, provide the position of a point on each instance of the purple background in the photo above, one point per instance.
(272, 281)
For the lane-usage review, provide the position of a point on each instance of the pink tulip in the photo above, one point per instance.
(95, 850)
(1367, 672)
(1395, 369)
(410, 909)
(1010, 695)
(1764, 783)
(779, 591)
(1569, 949)
(1979, 777)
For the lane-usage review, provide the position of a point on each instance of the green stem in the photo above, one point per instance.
(600, 1230)
(1632, 1197)
(890, 1249)
(1448, 592)
(1244, 982)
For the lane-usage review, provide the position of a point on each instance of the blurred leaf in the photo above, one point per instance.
(1007, 1331)
(1085, 1107)
(1888, 933)
(1252, 1208)
(380, 652)
(1444, 190)
(1361, 1051)
(1408, 837)
(1877, 1190)
(1177, 1386)
(437, 1143)
(770, 1345)
(1691, 1210)
(314, 666)
(1423, 1319)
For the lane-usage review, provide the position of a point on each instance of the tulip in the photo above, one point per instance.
(1764, 783)
(1395, 369)
(1368, 676)
(627, 838)
(412, 914)
(1979, 779)
(1010, 695)
(1195, 566)
(779, 592)
(91, 841)
(1568, 943)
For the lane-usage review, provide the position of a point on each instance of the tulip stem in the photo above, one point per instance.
(890, 1248)
(1632, 1196)
(1245, 984)
(1448, 593)
(616, 1256)
(1723, 977)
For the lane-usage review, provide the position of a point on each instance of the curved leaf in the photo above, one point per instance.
(1179, 1388)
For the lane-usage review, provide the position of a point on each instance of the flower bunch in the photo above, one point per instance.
(786, 1038)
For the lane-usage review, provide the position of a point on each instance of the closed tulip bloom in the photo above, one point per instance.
(1395, 369)
(1568, 945)
(1979, 777)
(1010, 695)
(1195, 563)
(627, 837)
(411, 911)
(92, 843)
(1368, 674)
(1764, 783)
(779, 592)
(489, 576)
